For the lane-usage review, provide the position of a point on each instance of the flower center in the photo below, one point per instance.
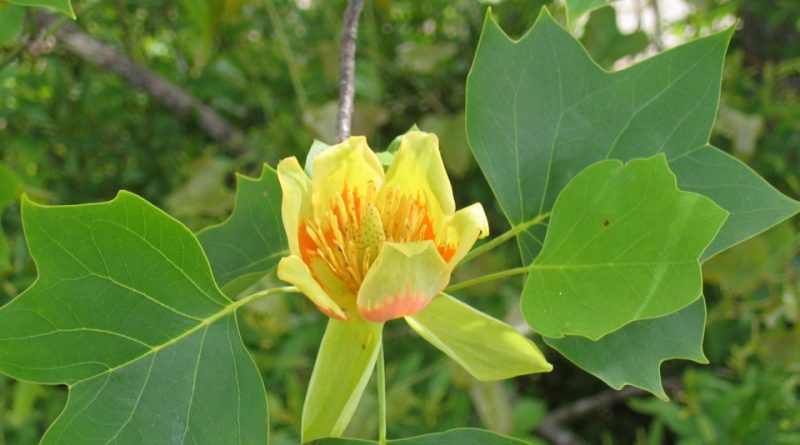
(349, 235)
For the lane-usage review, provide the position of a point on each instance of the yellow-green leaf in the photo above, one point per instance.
(623, 244)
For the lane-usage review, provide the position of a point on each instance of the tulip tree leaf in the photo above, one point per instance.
(460, 436)
(623, 244)
(252, 240)
(126, 312)
(539, 111)
(63, 6)
(633, 354)
(753, 204)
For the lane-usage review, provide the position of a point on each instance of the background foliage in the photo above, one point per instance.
(72, 132)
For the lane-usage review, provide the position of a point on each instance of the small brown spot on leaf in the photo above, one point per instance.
(606, 223)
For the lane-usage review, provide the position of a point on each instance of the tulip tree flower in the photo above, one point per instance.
(367, 247)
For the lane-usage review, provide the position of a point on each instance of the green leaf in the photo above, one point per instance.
(344, 364)
(540, 110)
(486, 347)
(754, 205)
(126, 312)
(623, 244)
(460, 436)
(247, 245)
(633, 354)
(63, 6)
(12, 20)
(577, 8)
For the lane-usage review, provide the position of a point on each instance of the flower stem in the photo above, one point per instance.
(381, 397)
(505, 236)
(489, 277)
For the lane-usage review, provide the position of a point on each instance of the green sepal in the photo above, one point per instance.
(342, 370)
(458, 436)
(486, 347)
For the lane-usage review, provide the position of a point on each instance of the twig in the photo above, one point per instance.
(158, 88)
(347, 68)
(552, 426)
(37, 45)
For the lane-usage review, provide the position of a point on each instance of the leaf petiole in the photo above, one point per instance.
(505, 236)
(260, 294)
(489, 277)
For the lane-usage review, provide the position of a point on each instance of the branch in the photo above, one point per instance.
(347, 68)
(552, 426)
(171, 96)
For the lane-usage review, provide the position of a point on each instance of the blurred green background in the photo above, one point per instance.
(74, 133)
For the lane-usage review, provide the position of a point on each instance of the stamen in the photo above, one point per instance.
(350, 233)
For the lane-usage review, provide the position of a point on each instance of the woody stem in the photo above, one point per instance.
(347, 69)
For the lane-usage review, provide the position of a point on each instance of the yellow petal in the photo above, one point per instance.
(349, 166)
(467, 226)
(294, 271)
(418, 169)
(296, 202)
(334, 287)
(402, 281)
